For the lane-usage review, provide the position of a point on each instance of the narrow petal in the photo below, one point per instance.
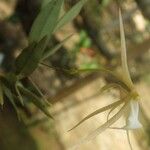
(97, 112)
(103, 127)
(113, 85)
(111, 110)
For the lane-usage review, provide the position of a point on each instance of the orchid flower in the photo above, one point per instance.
(130, 101)
(132, 121)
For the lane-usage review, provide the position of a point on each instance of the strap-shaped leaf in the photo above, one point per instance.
(37, 91)
(46, 21)
(71, 14)
(23, 58)
(1, 94)
(33, 87)
(10, 97)
(45, 2)
(35, 100)
(19, 96)
(29, 59)
(98, 111)
(50, 52)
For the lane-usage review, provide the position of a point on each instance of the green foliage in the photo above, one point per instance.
(48, 21)
(29, 59)
(45, 2)
(51, 51)
(85, 41)
(9, 94)
(17, 93)
(40, 103)
(70, 15)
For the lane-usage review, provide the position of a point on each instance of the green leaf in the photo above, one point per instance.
(10, 97)
(22, 59)
(45, 2)
(50, 52)
(37, 91)
(11, 79)
(71, 14)
(46, 21)
(39, 102)
(1, 94)
(19, 96)
(29, 59)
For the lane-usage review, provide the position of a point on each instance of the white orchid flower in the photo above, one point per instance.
(132, 121)
(130, 102)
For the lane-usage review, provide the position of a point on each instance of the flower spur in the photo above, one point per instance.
(129, 100)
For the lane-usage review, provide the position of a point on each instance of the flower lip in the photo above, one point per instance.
(132, 121)
(133, 125)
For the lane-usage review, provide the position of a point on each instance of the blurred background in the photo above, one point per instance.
(96, 42)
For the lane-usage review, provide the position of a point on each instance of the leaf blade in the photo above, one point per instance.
(56, 48)
(29, 59)
(10, 97)
(35, 100)
(71, 14)
(46, 21)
